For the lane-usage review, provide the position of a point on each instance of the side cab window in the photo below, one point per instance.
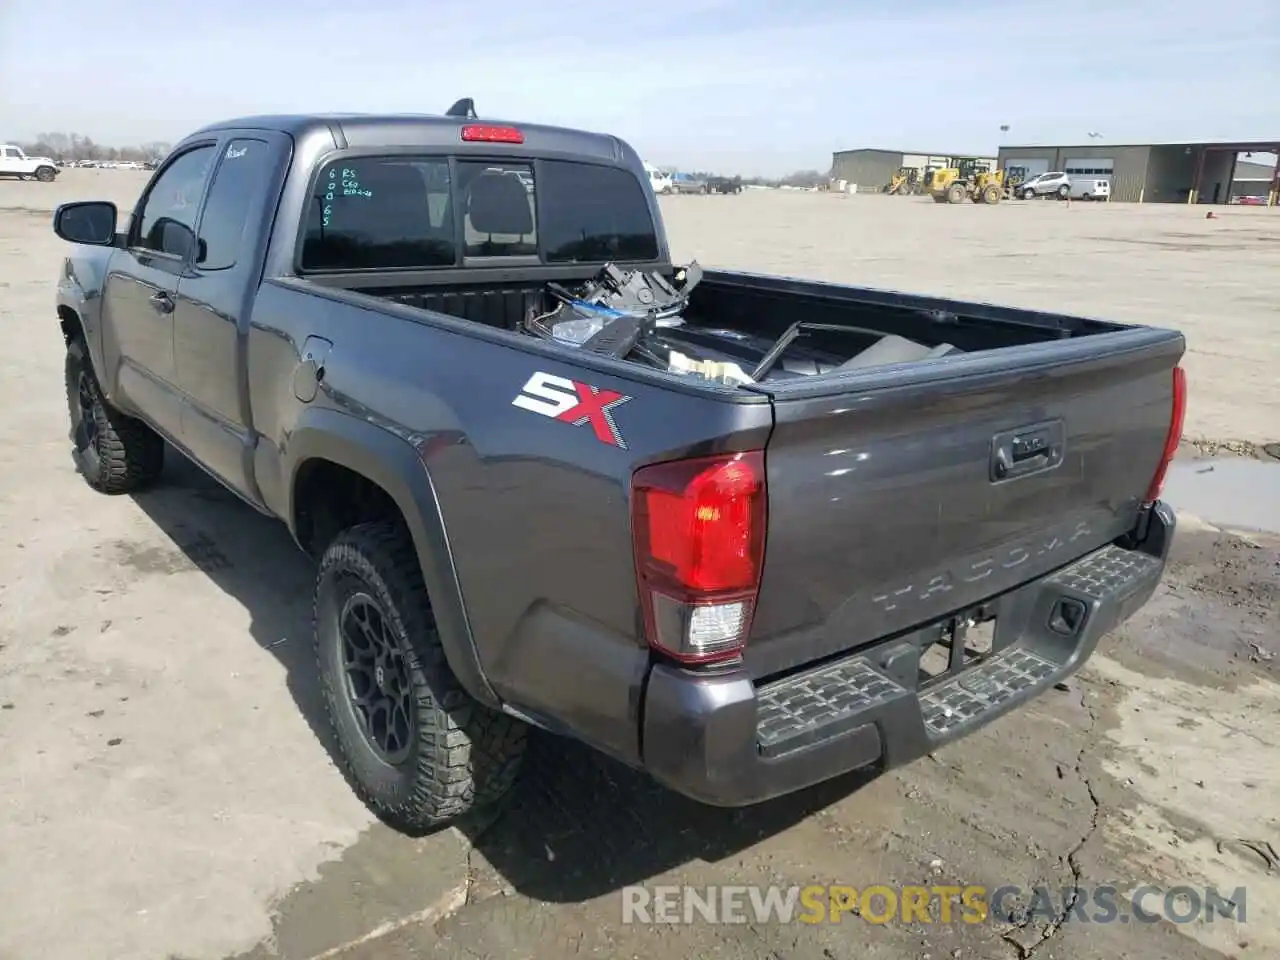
(245, 166)
(165, 221)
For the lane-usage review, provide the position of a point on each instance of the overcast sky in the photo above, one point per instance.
(753, 86)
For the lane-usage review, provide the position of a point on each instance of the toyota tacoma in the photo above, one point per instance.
(743, 532)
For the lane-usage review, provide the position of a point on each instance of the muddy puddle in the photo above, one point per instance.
(1229, 492)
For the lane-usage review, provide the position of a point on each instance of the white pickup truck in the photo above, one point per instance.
(15, 163)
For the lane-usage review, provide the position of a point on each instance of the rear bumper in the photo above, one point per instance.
(725, 741)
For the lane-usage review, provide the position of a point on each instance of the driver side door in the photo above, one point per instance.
(140, 293)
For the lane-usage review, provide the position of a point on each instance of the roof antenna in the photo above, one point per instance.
(466, 108)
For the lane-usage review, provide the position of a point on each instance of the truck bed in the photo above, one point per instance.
(761, 308)
(887, 510)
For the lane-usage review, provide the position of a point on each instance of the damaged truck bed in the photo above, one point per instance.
(744, 532)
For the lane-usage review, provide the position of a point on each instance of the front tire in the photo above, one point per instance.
(415, 747)
(1028, 194)
(115, 453)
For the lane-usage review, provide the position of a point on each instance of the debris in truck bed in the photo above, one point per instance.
(641, 315)
(723, 371)
(611, 312)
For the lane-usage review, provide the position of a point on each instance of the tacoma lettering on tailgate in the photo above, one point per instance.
(1007, 558)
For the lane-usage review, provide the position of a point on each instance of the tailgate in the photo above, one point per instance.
(907, 493)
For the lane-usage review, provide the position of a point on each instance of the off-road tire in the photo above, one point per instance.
(120, 454)
(462, 755)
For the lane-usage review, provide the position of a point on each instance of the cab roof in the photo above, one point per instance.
(425, 130)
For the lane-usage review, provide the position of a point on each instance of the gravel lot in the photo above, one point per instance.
(167, 792)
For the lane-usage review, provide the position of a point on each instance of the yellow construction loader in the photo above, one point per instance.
(904, 183)
(967, 180)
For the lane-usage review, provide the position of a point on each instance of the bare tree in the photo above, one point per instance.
(74, 146)
(156, 150)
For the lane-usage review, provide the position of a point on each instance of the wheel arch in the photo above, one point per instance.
(329, 446)
(71, 323)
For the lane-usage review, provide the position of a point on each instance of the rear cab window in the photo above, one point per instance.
(405, 212)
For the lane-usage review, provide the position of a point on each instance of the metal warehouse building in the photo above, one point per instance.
(1201, 172)
(870, 168)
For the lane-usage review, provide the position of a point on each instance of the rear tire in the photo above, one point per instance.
(1063, 192)
(415, 747)
(113, 452)
(46, 174)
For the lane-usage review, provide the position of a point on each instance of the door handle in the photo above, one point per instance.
(161, 302)
(1027, 450)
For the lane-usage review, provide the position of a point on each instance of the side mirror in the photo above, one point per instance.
(171, 236)
(88, 221)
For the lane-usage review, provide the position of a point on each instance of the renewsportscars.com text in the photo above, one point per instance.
(939, 903)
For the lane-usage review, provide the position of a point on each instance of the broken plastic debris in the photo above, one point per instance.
(722, 372)
(1262, 848)
(1260, 653)
(578, 330)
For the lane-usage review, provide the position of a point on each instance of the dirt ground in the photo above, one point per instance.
(166, 789)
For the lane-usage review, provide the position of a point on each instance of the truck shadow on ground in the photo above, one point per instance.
(577, 826)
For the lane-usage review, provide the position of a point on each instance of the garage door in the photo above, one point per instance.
(1100, 168)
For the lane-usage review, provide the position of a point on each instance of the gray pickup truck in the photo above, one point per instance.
(744, 532)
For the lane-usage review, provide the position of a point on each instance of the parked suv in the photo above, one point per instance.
(15, 163)
(1046, 185)
(687, 183)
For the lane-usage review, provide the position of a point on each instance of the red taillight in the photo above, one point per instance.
(484, 133)
(1176, 417)
(698, 529)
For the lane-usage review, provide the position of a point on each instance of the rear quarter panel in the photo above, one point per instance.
(535, 509)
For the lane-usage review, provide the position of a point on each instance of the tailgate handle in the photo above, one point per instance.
(1026, 450)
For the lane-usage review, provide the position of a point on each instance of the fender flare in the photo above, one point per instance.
(71, 300)
(393, 464)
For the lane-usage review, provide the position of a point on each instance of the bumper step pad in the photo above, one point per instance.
(1111, 572)
(822, 699)
(982, 688)
(1068, 611)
